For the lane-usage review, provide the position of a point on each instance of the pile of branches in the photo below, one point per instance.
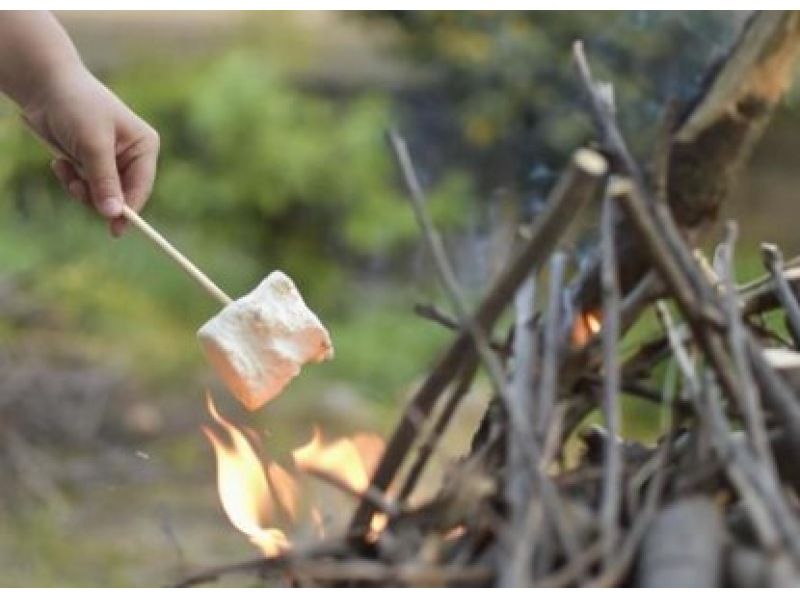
(714, 501)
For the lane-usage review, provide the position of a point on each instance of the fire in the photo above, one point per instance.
(593, 323)
(347, 460)
(585, 326)
(253, 493)
(340, 458)
(242, 486)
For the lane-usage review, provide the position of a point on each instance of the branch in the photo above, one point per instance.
(575, 188)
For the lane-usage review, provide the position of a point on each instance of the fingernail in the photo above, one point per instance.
(118, 227)
(110, 207)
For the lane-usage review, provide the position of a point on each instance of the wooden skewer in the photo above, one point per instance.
(169, 249)
(148, 231)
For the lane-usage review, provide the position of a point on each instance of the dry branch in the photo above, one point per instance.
(712, 138)
(574, 190)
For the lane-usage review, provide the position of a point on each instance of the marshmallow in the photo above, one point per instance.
(259, 342)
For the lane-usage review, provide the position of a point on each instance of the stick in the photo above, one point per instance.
(515, 571)
(522, 430)
(773, 261)
(615, 570)
(753, 414)
(374, 497)
(410, 574)
(187, 266)
(443, 268)
(263, 566)
(548, 384)
(573, 191)
(426, 449)
(612, 456)
(148, 231)
(738, 467)
(678, 349)
(432, 313)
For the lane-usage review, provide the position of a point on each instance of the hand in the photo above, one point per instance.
(109, 153)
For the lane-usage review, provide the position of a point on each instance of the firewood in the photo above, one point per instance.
(749, 568)
(683, 545)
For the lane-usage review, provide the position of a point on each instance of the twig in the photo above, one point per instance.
(603, 115)
(773, 262)
(280, 563)
(708, 337)
(410, 574)
(760, 295)
(707, 404)
(548, 385)
(371, 495)
(775, 389)
(612, 456)
(753, 415)
(433, 240)
(678, 349)
(523, 430)
(570, 572)
(261, 567)
(427, 447)
(621, 562)
(432, 313)
(515, 571)
(573, 191)
(521, 538)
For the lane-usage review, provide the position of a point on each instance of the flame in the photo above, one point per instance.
(585, 326)
(284, 487)
(351, 460)
(242, 486)
(252, 493)
(593, 323)
(377, 524)
(340, 458)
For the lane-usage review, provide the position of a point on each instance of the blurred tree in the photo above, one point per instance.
(501, 94)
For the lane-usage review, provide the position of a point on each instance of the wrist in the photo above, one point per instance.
(51, 79)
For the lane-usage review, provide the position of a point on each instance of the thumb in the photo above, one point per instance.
(100, 171)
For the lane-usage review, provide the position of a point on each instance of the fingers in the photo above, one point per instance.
(138, 173)
(99, 163)
(70, 180)
(117, 226)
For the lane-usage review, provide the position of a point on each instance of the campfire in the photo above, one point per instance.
(540, 498)
(254, 493)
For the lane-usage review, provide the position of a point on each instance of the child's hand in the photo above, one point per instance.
(110, 153)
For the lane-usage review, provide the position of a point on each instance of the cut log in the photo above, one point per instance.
(748, 568)
(682, 546)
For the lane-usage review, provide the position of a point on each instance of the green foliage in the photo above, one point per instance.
(251, 161)
(255, 174)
